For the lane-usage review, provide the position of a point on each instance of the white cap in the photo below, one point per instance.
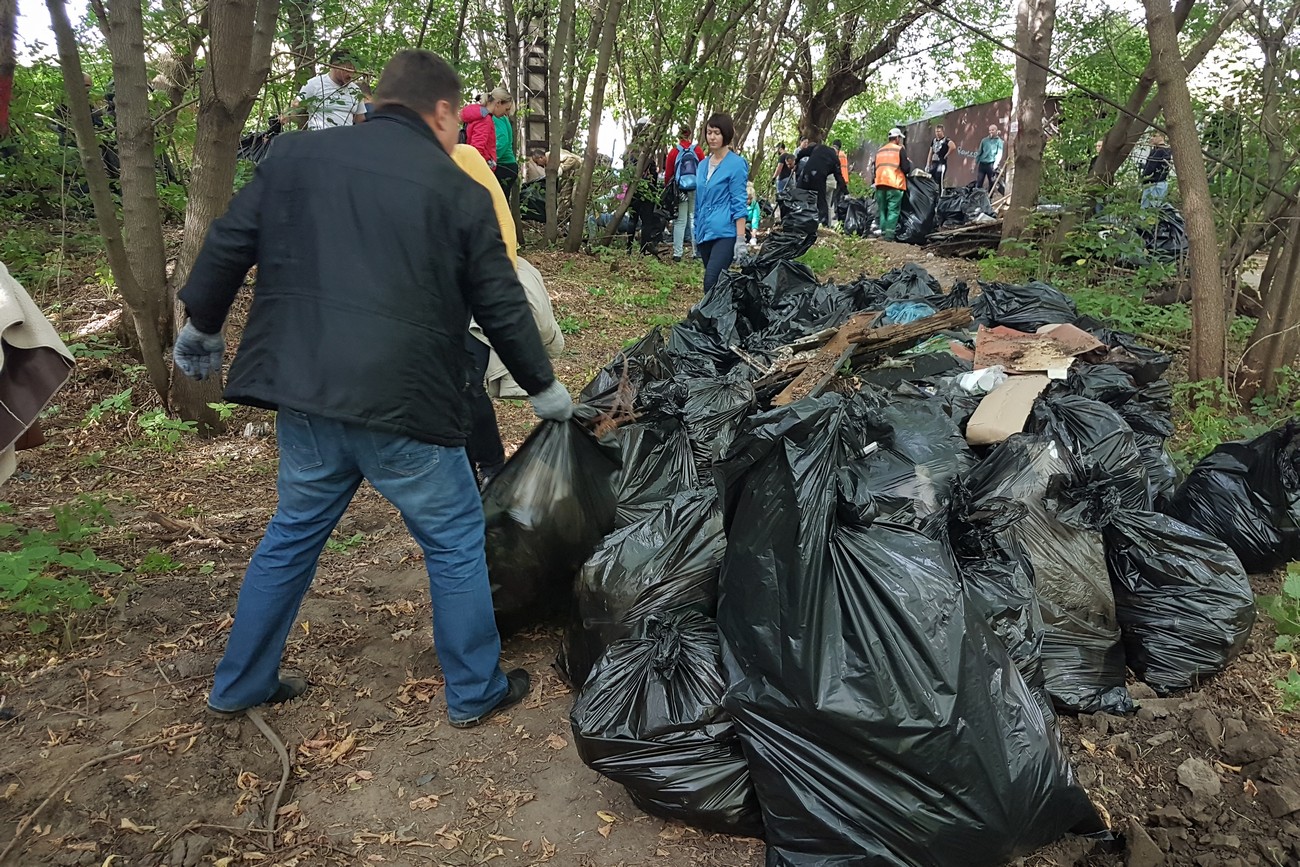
(895, 133)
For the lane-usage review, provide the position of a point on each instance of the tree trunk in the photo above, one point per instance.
(142, 306)
(848, 77)
(578, 221)
(1035, 21)
(1208, 356)
(1275, 342)
(239, 57)
(559, 52)
(137, 154)
(8, 61)
(301, 30)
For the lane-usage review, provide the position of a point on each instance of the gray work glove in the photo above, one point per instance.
(553, 404)
(741, 251)
(198, 355)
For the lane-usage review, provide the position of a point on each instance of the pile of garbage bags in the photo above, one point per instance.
(845, 623)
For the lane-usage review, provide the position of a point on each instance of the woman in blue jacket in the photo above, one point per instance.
(721, 207)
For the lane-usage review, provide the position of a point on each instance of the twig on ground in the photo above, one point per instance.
(27, 820)
(256, 716)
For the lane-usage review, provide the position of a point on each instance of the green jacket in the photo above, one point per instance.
(990, 150)
(505, 141)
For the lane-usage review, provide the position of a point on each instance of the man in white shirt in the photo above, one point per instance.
(331, 98)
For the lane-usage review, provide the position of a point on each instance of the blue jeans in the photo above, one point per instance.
(717, 257)
(322, 463)
(682, 225)
(1154, 194)
(781, 184)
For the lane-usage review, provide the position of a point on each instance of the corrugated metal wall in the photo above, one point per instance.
(967, 127)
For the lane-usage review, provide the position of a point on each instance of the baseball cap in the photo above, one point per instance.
(895, 133)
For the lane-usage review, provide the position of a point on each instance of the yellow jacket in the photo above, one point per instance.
(473, 164)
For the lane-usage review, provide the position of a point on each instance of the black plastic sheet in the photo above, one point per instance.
(910, 283)
(651, 719)
(1247, 494)
(658, 463)
(545, 512)
(1083, 657)
(882, 718)
(1024, 308)
(798, 231)
(918, 216)
(642, 362)
(1184, 602)
(668, 561)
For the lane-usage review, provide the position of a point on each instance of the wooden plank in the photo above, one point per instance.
(828, 359)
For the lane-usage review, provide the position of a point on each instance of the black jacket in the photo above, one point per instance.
(1156, 168)
(822, 162)
(373, 248)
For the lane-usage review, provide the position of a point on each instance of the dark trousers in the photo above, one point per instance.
(986, 170)
(643, 213)
(486, 454)
(507, 174)
(937, 171)
(823, 213)
(717, 256)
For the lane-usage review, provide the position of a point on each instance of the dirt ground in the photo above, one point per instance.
(110, 759)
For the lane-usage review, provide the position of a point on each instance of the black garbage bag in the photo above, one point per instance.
(910, 283)
(255, 146)
(1083, 657)
(882, 719)
(1096, 434)
(1184, 602)
(1166, 241)
(532, 201)
(651, 719)
(798, 230)
(643, 362)
(1144, 364)
(668, 561)
(1162, 475)
(715, 323)
(658, 463)
(545, 512)
(961, 205)
(1024, 308)
(999, 581)
(714, 409)
(1247, 494)
(918, 216)
(857, 218)
(955, 298)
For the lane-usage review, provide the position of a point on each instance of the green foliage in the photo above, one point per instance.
(224, 411)
(573, 324)
(347, 544)
(94, 346)
(983, 75)
(118, 404)
(40, 570)
(164, 432)
(819, 259)
(157, 563)
(1284, 610)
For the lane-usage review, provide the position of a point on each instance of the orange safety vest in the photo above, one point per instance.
(889, 170)
(844, 165)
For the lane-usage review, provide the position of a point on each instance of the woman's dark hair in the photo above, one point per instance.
(723, 124)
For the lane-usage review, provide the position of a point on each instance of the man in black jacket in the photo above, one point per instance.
(817, 162)
(373, 249)
(1155, 172)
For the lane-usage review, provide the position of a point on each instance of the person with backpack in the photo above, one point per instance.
(721, 209)
(818, 162)
(890, 168)
(680, 167)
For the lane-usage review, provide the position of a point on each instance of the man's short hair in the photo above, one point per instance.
(537, 152)
(938, 127)
(723, 124)
(418, 80)
(342, 57)
(838, 144)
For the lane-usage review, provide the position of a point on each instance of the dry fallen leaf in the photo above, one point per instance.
(428, 802)
(9, 792)
(1250, 788)
(342, 748)
(606, 816)
(556, 742)
(604, 830)
(1088, 745)
(128, 825)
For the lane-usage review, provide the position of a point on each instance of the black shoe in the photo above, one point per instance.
(289, 689)
(517, 685)
(677, 259)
